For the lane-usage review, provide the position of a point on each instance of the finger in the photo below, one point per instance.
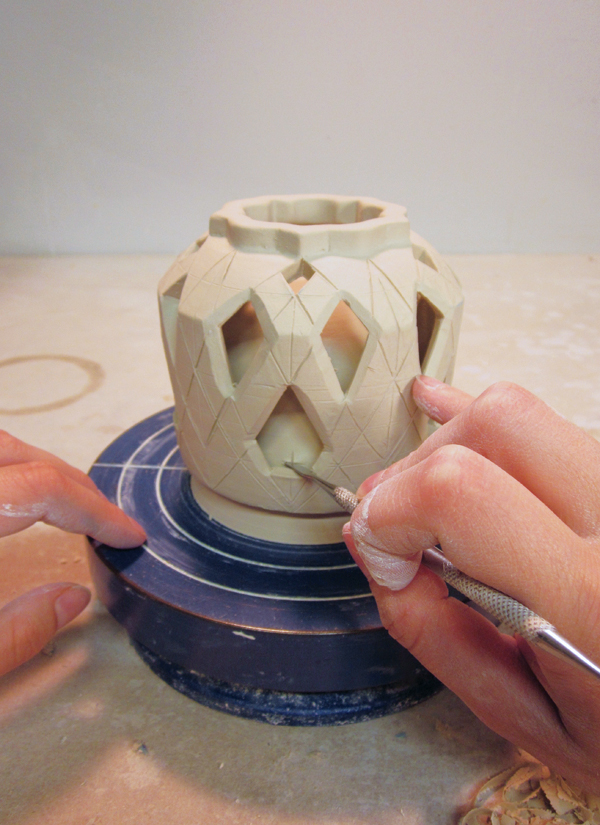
(556, 461)
(29, 622)
(439, 401)
(39, 491)
(394, 568)
(15, 451)
(491, 528)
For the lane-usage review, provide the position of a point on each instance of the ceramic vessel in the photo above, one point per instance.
(293, 330)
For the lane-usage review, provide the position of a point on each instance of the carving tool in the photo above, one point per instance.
(520, 619)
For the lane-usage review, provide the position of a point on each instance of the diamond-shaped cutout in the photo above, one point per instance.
(298, 275)
(242, 336)
(345, 338)
(428, 322)
(288, 434)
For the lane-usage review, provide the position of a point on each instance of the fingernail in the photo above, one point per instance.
(50, 588)
(70, 604)
(385, 567)
(139, 535)
(425, 401)
(428, 381)
(139, 529)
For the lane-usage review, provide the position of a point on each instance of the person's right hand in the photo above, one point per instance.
(511, 492)
(37, 486)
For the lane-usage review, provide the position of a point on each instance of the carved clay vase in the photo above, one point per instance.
(293, 330)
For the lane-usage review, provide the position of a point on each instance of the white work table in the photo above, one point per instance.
(89, 735)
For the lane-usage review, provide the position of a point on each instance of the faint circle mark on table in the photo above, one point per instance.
(92, 370)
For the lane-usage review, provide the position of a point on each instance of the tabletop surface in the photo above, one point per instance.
(89, 735)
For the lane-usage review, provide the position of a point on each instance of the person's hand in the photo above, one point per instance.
(37, 486)
(511, 492)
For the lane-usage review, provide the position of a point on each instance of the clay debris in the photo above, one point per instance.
(532, 795)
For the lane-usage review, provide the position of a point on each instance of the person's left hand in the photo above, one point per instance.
(38, 486)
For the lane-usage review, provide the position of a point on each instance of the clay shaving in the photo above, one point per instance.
(532, 795)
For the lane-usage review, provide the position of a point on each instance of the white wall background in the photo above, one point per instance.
(125, 123)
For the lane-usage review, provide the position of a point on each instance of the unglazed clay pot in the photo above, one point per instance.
(293, 331)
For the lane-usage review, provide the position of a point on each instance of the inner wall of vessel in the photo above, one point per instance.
(313, 211)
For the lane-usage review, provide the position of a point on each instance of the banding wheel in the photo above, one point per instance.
(285, 633)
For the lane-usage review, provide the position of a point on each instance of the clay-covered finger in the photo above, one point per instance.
(30, 621)
(39, 491)
(490, 527)
(441, 402)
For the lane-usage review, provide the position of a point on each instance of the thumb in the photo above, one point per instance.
(31, 620)
(382, 553)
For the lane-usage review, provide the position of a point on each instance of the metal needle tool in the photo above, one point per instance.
(519, 618)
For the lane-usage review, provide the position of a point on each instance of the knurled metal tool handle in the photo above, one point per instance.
(505, 609)
(520, 619)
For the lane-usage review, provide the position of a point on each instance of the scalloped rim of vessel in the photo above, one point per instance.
(350, 239)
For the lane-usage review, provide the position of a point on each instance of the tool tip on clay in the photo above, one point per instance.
(301, 469)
